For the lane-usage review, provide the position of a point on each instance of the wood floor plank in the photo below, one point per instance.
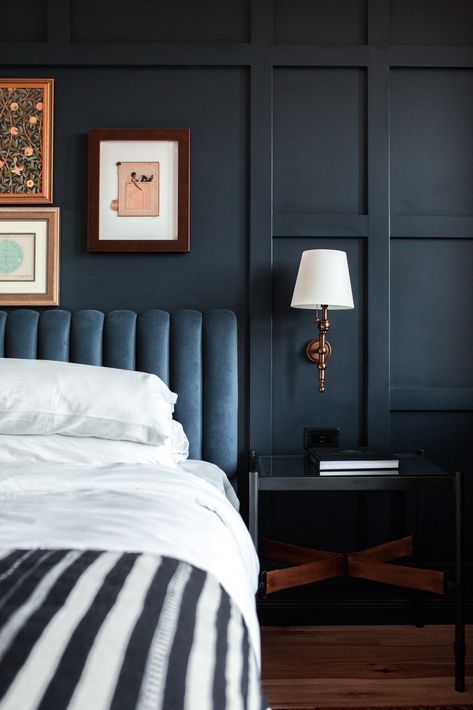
(356, 666)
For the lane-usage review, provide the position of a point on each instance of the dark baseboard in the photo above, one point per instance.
(303, 612)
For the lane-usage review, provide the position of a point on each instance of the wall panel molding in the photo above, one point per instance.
(58, 50)
(261, 229)
(378, 321)
(432, 227)
(126, 54)
(287, 224)
(435, 57)
(311, 55)
(432, 399)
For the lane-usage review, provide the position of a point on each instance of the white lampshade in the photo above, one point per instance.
(323, 280)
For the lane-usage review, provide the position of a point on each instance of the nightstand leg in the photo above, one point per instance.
(459, 646)
(253, 507)
(418, 545)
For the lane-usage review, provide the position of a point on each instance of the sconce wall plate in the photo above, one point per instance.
(312, 350)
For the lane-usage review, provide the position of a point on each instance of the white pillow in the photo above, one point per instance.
(81, 450)
(178, 443)
(49, 397)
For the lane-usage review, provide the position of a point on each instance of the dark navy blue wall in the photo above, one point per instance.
(314, 123)
(214, 271)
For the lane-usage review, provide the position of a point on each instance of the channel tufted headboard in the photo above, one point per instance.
(194, 353)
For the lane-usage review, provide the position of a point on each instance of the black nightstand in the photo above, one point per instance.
(296, 473)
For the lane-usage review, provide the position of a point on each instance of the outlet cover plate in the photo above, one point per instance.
(317, 437)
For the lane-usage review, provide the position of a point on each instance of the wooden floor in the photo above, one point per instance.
(361, 666)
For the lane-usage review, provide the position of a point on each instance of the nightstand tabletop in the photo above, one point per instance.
(296, 472)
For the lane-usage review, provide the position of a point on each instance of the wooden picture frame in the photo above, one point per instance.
(139, 190)
(26, 141)
(29, 256)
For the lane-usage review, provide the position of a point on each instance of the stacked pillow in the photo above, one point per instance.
(47, 398)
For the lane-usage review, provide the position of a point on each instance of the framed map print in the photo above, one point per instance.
(29, 249)
(139, 190)
(26, 141)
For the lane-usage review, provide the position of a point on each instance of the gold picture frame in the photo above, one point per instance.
(29, 256)
(26, 141)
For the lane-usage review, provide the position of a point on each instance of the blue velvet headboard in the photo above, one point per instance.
(194, 353)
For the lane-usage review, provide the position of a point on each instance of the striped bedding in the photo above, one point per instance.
(90, 630)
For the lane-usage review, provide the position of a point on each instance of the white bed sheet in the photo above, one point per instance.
(180, 512)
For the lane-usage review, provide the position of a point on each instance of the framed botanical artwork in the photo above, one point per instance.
(29, 256)
(139, 190)
(26, 141)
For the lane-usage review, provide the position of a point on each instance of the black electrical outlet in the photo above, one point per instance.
(317, 437)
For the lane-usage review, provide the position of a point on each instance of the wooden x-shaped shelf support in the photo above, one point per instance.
(310, 565)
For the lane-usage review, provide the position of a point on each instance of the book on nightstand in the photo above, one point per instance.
(361, 461)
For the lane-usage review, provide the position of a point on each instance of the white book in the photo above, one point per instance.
(363, 458)
(390, 464)
(360, 472)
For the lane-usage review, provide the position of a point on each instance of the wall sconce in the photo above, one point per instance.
(323, 282)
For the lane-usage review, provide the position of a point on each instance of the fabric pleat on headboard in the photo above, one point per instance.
(194, 353)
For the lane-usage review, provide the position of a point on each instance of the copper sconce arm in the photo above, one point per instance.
(319, 351)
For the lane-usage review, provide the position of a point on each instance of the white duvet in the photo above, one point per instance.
(181, 512)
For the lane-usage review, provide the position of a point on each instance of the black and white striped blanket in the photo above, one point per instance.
(91, 630)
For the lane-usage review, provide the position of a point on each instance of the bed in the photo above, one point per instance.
(127, 576)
